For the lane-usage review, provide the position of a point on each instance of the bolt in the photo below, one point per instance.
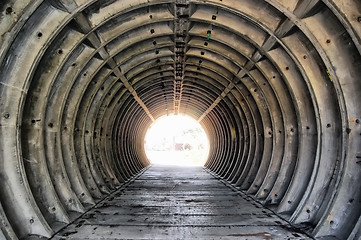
(9, 10)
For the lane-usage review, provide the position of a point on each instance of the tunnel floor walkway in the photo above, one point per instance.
(168, 202)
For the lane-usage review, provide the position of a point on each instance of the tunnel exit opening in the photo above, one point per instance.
(176, 140)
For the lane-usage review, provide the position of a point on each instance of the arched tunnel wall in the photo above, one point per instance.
(275, 83)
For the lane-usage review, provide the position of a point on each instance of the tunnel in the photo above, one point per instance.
(275, 84)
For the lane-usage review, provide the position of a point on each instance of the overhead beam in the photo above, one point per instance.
(282, 30)
(94, 39)
(181, 27)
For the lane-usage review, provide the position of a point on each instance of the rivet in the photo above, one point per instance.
(9, 10)
(359, 19)
(40, 34)
(357, 121)
(328, 41)
(6, 115)
(31, 220)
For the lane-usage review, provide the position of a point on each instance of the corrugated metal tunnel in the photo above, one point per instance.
(275, 84)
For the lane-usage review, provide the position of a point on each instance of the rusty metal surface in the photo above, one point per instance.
(275, 83)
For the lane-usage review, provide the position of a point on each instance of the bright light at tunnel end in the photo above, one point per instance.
(176, 140)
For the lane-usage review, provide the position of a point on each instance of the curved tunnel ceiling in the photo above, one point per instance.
(275, 83)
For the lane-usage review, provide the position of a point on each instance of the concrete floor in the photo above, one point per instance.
(169, 202)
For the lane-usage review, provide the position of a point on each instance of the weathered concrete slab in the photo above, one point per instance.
(178, 203)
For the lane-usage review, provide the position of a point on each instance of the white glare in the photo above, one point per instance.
(177, 140)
